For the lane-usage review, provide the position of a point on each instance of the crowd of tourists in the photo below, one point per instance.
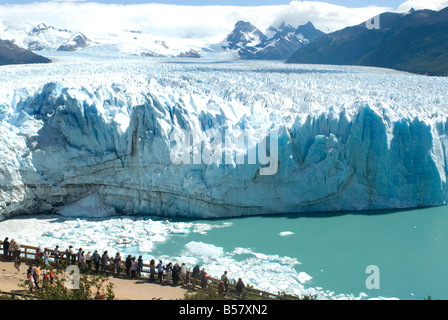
(95, 262)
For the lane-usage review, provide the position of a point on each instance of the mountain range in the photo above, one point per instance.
(278, 43)
(43, 37)
(415, 42)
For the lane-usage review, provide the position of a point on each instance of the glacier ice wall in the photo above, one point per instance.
(99, 134)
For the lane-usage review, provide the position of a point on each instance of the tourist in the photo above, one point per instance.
(195, 275)
(117, 262)
(204, 277)
(225, 281)
(82, 262)
(221, 288)
(183, 273)
(78, 255)
(72, 255)
(17, 263)
(139, 266)
(14, 248)
(134, 267)
(99, 296)
(89, 260)
(56, 254)
(160, 268)
(176, 273)
(29, 275)
(37, 257)
(128, 265)
(11, 249)
(51, 276)
(5, 248)
(68, 256)
(96, 260)
(45, 278)
(239, 287)
(152, 270)
(104, 261)
(168, 269)
(35, 273)
(46, 257)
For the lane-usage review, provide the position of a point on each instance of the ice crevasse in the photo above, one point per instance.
(347, 141)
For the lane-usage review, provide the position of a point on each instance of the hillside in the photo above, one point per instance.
(13, 54)
(414, 42)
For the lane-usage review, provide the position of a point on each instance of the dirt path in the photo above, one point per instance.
(124, 289)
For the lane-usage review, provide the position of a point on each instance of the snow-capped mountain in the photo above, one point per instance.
(277, 43)
(126, 42)
(79, 41)
(43, 37)
(245, 41)
(244, 35)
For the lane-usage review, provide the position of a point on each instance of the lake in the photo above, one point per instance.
(323, 254)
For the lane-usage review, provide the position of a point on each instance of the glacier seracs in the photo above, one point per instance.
(97, 130)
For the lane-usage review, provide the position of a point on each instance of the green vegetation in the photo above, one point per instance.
(209, 293)
(89, 286)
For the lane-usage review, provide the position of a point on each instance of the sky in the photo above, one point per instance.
(345, 3)
(199, 19)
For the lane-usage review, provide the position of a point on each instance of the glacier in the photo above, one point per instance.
(91, 134)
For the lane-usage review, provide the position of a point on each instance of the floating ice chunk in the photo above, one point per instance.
(303, 277)
(202, 228)
(123, 241)
(180, 228)
(145, 246)
(203, 249)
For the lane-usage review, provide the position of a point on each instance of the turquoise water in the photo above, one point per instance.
(322, 254)
(410, 248)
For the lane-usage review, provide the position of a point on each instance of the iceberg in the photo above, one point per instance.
(101, 134)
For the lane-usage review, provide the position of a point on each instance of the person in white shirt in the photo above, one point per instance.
(134, 267)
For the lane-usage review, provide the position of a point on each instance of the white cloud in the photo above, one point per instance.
(423, 4)
(175, 21)
(158, 19)
(326, 17)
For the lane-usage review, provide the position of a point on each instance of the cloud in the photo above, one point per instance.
(179, 21)
(326, 17)
(423, 4)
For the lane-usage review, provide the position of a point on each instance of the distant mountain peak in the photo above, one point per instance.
(42, 28)
(79, 41)
(244, 34)
(278, 43)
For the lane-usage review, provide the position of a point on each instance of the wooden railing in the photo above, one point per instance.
(249, 293)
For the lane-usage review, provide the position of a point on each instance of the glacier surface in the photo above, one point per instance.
(94, 132)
